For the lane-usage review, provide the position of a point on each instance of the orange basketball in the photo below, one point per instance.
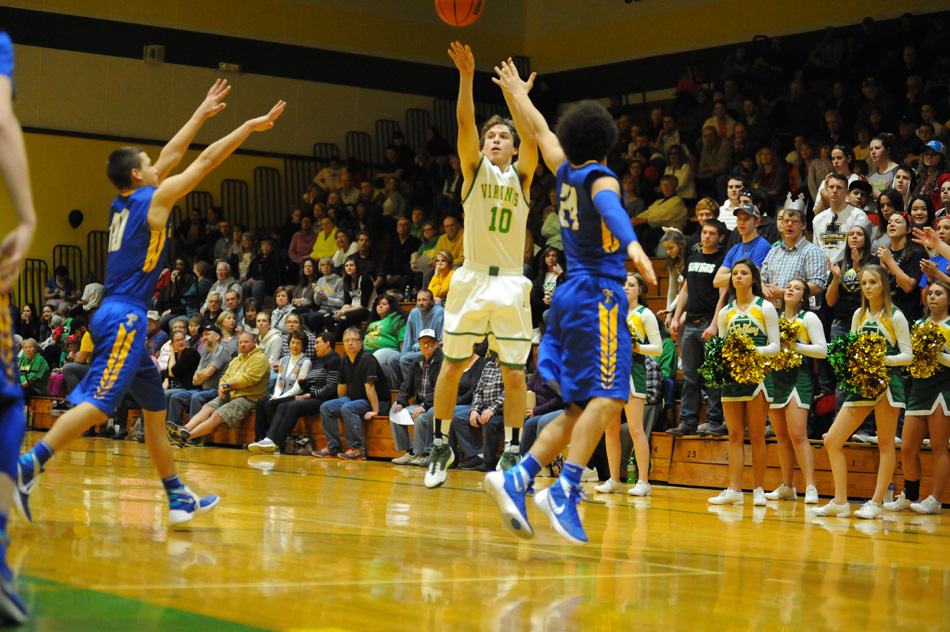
(459, 12)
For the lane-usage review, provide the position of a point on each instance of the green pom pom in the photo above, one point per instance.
(714, 370)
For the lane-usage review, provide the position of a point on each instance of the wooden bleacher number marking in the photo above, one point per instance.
(691, 454)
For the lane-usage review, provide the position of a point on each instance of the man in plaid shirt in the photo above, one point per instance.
(420, 385)
(793, 257)
(487, 412)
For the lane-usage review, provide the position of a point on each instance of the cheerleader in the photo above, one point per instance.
(751, 315)
(792, 396)
(646, 342)
(876, 316)
(928, 408)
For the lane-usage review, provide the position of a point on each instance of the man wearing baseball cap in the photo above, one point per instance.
(752, 245)
(215, 358)
(420, 386)
(154, 336)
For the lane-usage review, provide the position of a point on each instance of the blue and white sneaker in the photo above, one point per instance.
(559, 502)
(184, 505)
(508, 490)
(12, 610)
(25, 483)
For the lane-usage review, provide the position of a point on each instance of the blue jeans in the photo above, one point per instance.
(194, 400)
(533, 427)
(692, 348)
(400, 365)
(352, 414)
(383, 356)
(463, 432)
(421, 434)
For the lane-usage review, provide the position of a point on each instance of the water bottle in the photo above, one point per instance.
(889, 494)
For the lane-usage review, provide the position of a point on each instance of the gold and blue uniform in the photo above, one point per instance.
(587, 348)
(118, 329)
(760, 323)
(899, 353)
(796, 384)
(926, 394)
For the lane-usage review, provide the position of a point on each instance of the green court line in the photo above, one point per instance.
(56, 607)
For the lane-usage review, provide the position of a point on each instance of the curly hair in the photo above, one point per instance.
(587, 132)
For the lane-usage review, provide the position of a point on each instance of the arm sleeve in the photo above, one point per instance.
(615, 217)
(329, 389)
(771, 327)
(906, 352)
(722, 323)
(818, 348)
(655, 341)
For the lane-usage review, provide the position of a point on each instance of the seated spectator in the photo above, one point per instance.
(215, 302)
(551, 228)
(327, 295)
(668, 211)
(215, 358)
(368, 259)
(485, 412)
(328, 179)
(268, 338)
(548, 405)
(263, 274)
(248, 321)
(303, 240)
(92, 292)
(770, 176)
(196, 324)
(270, 433)
(324, 243)
(75, 371)
(349, 194)
(452, 240)
(232, 303)
(680, 168)
(419, 386)
(246, 253)
(398, 265)
(155, 338)
(191, 232)
(291, 373)
(363, 393)
(550, 276)
(720, 120)
(34, 372)
(713, 161)
(442, 276)
(60, 288)
(294, 324)
(425, 315)
(29, 325)
(196, 295)
(395, 203)
(345, 247)
(358, 293)
(52, 346)
(449, 200)
(417, 221)
(179, 324)
(243, 383)
(221, 286)
(45, 328)
(385, 331)
(227, 323)
(179, 371)
(302, 298)
(222, 248)
(279, 315)
(423, 262)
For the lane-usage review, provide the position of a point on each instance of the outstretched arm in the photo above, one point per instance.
(176, 187)
(469, 151)
(528, 120)
(173, 151)
(528, 152)
(16, 175)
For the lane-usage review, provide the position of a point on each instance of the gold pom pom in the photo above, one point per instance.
(743, 360)
(866, 365)
(789, 333)
(928, 342)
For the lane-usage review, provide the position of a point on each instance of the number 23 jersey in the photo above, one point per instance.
(136, 252)
(496, 217)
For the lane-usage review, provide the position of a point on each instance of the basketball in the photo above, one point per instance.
(459, 12)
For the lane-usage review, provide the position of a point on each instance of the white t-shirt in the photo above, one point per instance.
(832, 236)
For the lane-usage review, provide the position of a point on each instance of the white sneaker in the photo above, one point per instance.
(536, 335)
(870, 511)
(609, 486)
(926, 442)
(833, 509)
(727, 497)
(642, 488)
(758, 497)
(811, 495)
(590, 475)
(929, 505)
(783, 492)
(897, 440)
(266, 445)
(404, 459)
(898, 504)
(872, 439)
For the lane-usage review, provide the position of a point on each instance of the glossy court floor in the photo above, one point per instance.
(304, 544)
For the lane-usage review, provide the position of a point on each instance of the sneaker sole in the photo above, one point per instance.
(254, 449)
(11, 611)
(632, 492)
(541, 500)
(511, 518)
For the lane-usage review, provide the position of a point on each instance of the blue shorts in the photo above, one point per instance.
(587, 348)
(12, 423)
(121, 364)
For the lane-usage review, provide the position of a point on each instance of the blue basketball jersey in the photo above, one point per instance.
(6, 55)
(589, 245)
(136, 252)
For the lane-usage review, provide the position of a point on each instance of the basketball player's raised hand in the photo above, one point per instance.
(509, 79)
(266, 122)
(214, 103)
(463, 58)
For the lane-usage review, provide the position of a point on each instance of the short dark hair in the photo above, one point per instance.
(120, 165)
(718, 225)
(499, 120)
(587, 132)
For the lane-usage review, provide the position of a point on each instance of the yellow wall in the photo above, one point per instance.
(69, 173)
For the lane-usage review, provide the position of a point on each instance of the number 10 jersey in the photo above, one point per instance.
(496, 216)
(136, 252)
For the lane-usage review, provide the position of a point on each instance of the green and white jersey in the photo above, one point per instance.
(496, 215)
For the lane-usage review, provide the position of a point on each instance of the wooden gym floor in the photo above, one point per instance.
(305, 544)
